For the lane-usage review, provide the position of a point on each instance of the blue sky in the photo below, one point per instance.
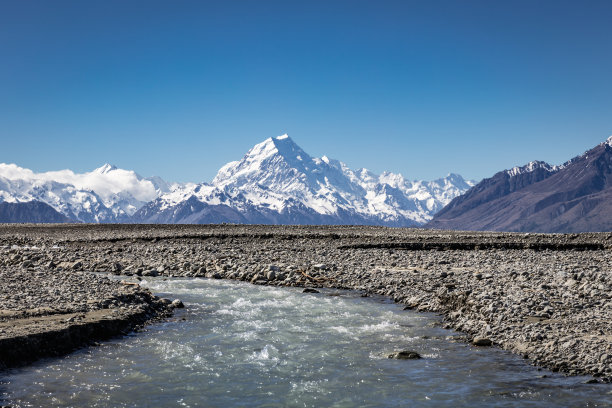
(178, 88)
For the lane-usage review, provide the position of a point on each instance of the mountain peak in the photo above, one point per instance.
(277, 182)
(609, 141)
(273, 142)
(268, 157)
(454, 177)
(105, 168)
(281, 145)
(284, 143)
(530, 167)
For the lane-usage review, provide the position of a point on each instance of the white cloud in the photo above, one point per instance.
(105, 184)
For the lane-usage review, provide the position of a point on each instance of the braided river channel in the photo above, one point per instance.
(241, 345)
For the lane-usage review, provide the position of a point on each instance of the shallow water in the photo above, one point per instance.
(242, 345)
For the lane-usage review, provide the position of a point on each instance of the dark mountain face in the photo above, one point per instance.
(30, 212)
(498, 186)
(572, 198)
(191, 211)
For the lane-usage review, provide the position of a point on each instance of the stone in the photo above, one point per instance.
(405, 355)
(177, 303)
(150, 272)
(482, 342)
(310, 290)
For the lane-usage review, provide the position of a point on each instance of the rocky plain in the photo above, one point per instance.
(546, 297)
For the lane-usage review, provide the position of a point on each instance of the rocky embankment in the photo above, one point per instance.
(546, 297)
(48, 311)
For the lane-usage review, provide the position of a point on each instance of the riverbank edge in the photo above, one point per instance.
(66, 333)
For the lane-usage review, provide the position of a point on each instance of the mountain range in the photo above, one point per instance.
(573, 197)
(276, 182)
(106, 194)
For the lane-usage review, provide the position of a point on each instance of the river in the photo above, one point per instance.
(241, 345)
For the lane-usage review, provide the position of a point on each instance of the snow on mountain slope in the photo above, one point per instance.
(537, 197)
(531, 167)
(78, 205)
(278, 169)
(278, 182)
(106, 194)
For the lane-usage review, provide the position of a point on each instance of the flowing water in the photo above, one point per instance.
(239, 345)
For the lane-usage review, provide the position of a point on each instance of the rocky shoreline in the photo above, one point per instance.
(546, 297)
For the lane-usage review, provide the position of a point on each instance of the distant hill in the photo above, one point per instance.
(30, 212)
(538, 197)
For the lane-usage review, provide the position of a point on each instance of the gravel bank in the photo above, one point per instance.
(546, 297)
(47, 311)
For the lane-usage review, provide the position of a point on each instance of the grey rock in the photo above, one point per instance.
(310, 290)
(177, 303)
(405, 355)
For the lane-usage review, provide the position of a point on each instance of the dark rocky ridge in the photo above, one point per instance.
(574, 198)
(547, 297)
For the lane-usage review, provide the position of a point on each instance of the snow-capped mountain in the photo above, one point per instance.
(537, 197)
(106, 194)
(277, 182)
(531, 167)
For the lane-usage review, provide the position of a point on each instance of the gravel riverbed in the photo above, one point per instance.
(546, 297)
